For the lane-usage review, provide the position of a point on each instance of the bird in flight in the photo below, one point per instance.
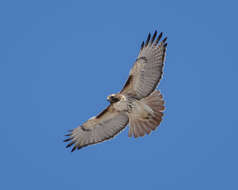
(138, 104)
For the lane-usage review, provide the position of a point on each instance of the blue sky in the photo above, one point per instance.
(60, 59)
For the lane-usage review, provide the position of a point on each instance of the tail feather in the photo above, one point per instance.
(146, 129)
(140, 129)
(141, 125)
(132, 127)
(136, 129)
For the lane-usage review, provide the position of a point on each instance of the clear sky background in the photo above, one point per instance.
(60, 59)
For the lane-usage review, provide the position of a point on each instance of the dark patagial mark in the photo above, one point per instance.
(127, 82)
(102, 113)
(142, 58)
(84, 129)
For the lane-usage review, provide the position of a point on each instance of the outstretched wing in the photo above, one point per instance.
(97, 129)
(148, 68)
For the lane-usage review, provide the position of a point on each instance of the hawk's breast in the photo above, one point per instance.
(121, 105)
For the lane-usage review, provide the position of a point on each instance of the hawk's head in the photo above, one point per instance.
(113, 98)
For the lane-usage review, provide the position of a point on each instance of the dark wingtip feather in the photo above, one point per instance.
(142, 45)
(165, 45)
(148, 39)
(73, 149)
(66, 140)
(159, 37)
(70, 144)
(153, 38)
(67, 135)
(164, 40)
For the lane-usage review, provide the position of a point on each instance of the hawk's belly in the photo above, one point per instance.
(121, 105)
(136, 107)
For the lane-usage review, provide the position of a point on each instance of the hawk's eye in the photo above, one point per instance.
(114, 99)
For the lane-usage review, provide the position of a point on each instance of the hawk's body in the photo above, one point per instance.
(138, 103)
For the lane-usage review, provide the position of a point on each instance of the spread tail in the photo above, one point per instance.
(149, 118)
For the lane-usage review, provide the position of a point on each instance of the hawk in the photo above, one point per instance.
(138, 104)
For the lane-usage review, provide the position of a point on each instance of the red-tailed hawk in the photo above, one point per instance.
(138, 103)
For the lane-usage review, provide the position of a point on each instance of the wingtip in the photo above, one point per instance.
(164, 40)
(148, 39)
(142, 45)
(70, 144)
(159, 37)
(154, 36)
(66, 140)
(73, 149)
(151, 40)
